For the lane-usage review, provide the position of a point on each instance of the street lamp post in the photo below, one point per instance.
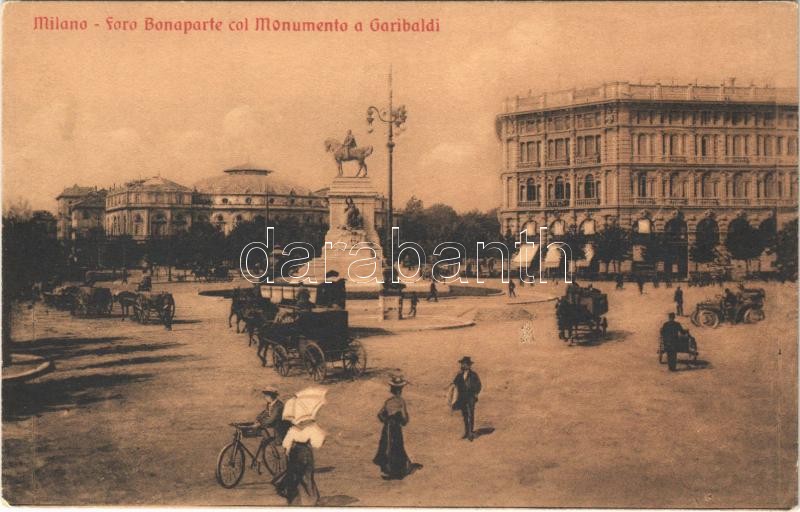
(394, 118)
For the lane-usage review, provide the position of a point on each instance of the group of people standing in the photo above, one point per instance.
(299, 440)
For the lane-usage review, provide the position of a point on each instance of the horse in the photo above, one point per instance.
(359, 154)
(126, 300)
(240, 300)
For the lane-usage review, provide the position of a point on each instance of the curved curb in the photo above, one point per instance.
(530, 301)
(43, 367)
(394, 329)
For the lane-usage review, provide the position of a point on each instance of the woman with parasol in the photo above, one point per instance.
(297, 484)
(391, 456)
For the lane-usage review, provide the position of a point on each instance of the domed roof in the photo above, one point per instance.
(248, 180)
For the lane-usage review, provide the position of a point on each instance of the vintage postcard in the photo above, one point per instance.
(535, 254)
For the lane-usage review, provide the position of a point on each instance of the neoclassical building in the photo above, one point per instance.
(652, 158)
(157, 207)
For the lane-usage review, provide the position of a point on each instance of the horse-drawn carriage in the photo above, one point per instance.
(92, 301)
(579, 314)
(210, 274)
(62, 297)
(747, 306)
(154, 305)
(310, 339)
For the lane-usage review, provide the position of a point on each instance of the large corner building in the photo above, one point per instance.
(681, 159)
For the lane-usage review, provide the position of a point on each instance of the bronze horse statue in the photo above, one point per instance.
(339, 154)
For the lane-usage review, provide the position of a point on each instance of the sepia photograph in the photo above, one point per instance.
(400, 254)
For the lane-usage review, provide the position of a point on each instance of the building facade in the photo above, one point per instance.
(80, 211)
(158, 207)
(651, 158)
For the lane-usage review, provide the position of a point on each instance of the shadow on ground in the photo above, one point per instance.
(55, 394)
(68, 348)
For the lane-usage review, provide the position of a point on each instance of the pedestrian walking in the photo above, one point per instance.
(678, 298)
(670, 332)
(466, 386)
(640, 283)
(656, 281)
(412, 312)
(391, 456)
(297, 483)
(433, 293)
(620, 281)
(511, 287)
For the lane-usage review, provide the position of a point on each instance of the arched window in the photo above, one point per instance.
(673, 145)
(740, 188)
(588, 187)
(770, 186)
(567, 191)
(559, 188)
(642, 146)
(248, 200)
(641, 185)
(705, 146)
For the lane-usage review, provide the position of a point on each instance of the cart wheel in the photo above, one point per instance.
(753, 315)
(354, 359)
(708, 318)
(314, 361)
(274, 457)
(230, 465)
(280, 360)
(695, 319)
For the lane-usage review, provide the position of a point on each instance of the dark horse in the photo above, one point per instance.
(359, 154)
(126, 300)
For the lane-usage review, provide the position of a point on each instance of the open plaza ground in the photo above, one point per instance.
(136, 415)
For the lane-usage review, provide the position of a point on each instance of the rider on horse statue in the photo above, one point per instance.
(348, 143)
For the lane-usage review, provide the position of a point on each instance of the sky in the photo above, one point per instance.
(101, 107)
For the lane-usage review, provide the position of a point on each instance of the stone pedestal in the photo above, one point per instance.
(390, 307)
(350, 246)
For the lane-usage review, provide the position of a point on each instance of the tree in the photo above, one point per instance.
(613, 245)
(785, 251)
(743, 242)
(704, 249)
(576, 241)
(30, 255)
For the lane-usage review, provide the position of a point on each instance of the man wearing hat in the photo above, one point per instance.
(468, 385)
(272, 415)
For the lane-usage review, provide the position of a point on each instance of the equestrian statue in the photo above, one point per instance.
(348, 150)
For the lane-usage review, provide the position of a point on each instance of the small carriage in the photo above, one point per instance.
(92, 301)
(747, 306)
(579, 314)
(310, 339)
(154, 305)
(62, 297)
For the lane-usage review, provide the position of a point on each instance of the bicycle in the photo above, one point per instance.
(231, 460)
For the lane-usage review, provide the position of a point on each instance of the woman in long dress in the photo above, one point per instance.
(391, 456)
(297, 483)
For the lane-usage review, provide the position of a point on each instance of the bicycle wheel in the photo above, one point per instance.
(230, 465)
(274, 458)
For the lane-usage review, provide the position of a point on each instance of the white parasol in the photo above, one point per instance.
(304, 405)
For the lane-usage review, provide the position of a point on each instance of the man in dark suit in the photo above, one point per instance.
(468, 385)
(670, 332)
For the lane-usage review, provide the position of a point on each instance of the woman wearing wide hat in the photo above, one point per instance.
(391, 456)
